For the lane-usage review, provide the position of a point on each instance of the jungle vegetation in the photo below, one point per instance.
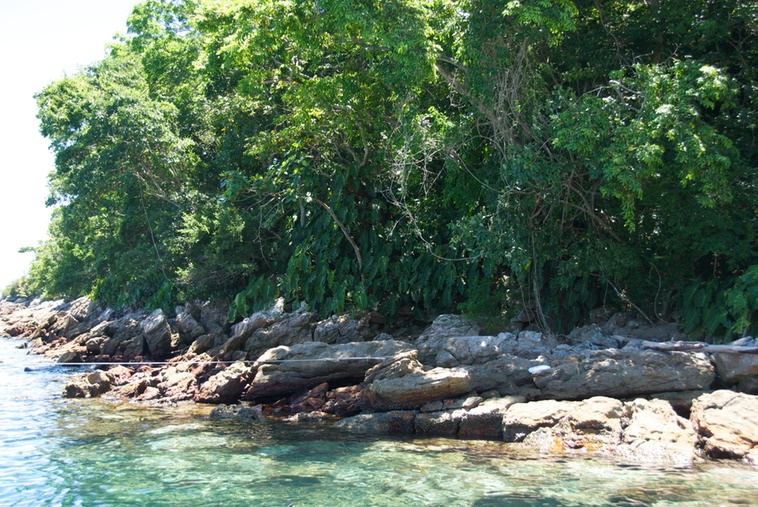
(423, 156)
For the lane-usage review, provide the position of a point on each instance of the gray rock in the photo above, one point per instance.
(241, 412)
(625, 374)
(305, 365)
(439, 424)
(593, 336)
(289, 329)
(342, 329)
(727, 423)
(733, 367)
(157, 334)
(397, 422)
(444, 326)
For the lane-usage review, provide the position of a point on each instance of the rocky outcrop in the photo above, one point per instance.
(227, 385)
(624, 374)
(728, 425)
(287, 369)
(401, 382)
(568, 396)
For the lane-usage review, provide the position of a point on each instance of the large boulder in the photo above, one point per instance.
(624, 374)
(401, 383)
(429, 343)
(157, 334)
(727, 423)
(655, 433)
(227, 385)
(288, 369)
(289, 329)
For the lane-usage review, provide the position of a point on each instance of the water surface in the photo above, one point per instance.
(98, 453)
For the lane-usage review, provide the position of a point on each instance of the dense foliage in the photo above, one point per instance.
(414, 155)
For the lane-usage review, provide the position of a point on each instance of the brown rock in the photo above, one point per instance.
(226, 386)
(486, 420)
(727, 423)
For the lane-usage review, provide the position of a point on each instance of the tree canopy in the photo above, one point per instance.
(414, 155)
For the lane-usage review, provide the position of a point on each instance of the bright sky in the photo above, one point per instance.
(40, 41)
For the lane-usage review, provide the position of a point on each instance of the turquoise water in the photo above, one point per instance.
(98, 453)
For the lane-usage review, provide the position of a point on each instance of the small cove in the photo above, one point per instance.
(95, 452)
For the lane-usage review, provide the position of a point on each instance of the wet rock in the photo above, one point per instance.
(310, 401)
(625, 374)
(727, 423)
(241, 412)
(344, 401)
(440, 424)
(486, 420)
(226, 386)
(302, 366)
(89, 385)
(401, 382)
(396, 422)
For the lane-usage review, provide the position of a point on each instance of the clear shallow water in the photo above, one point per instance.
(96, 453)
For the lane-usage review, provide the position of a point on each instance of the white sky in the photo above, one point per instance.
(40, 42)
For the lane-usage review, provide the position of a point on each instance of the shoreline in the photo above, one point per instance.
(616, 389)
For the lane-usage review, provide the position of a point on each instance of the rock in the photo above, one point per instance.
(157, 334)
(177, 385)
(508, 375)
(625, 374)
(444, 326)
(242, 412)
(302, 366)
(655, 433)
(592, 337)
(202, 343)
(727, 423)
(310, 401)
(627, 325)
(402, 383)
(226, 386)
(342, 329)
(467, 350)
(733, 367)
(486, 420)
(397, 422)
(521, 419)
(748, 385)
(290, 329)
(344, 401)
(214, 317)
(244, 329)
(532, 344)
(680, 401)
(188, 326)
(89, 385)
(440, 424)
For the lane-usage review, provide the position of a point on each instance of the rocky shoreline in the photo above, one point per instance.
(616, 388)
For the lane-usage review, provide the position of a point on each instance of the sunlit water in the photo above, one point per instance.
(96, 453)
